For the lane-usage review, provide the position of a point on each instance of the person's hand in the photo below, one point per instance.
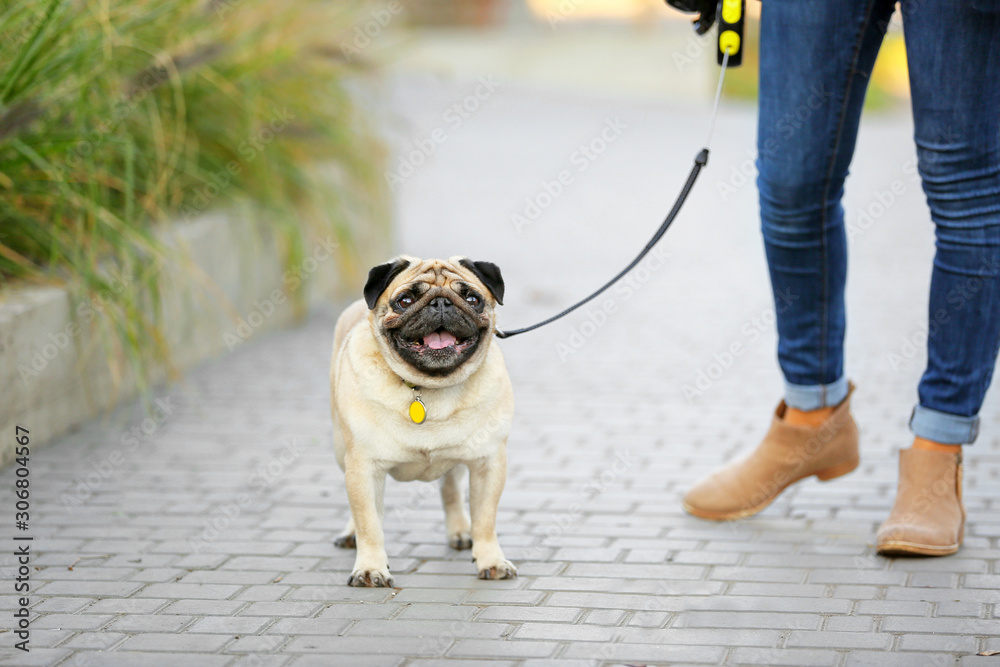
(706, 12)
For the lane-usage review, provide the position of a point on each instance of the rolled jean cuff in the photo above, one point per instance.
(943, 427)
(815, 396)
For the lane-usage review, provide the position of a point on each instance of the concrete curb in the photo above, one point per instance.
(54, 350)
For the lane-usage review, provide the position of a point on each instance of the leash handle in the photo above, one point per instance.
(699, 162)
(731, 32)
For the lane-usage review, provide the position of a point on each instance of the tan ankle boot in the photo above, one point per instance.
(787, 454)
(928, 517)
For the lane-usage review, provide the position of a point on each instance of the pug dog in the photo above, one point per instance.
(419, 390)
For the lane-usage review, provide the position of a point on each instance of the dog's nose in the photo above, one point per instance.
(441, 304)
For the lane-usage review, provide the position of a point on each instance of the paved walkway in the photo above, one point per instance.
(203, 537)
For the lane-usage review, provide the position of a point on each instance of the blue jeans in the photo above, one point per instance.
(815, 60)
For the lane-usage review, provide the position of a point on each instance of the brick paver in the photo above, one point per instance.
(210, 542)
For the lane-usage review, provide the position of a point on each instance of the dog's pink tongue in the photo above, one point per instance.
(439, 341)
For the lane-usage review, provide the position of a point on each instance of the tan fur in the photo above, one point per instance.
(469, 414)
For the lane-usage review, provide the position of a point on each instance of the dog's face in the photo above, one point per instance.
(433, 318)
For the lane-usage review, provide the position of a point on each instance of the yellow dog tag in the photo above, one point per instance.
(418, 412)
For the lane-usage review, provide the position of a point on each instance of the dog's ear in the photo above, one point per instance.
(380, 277)
(489, 274)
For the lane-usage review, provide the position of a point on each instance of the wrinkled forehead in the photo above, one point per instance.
(433, 273)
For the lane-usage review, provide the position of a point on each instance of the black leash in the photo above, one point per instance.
(699, 163)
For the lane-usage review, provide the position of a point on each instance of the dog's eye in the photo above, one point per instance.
(472, 300)
(404, 301)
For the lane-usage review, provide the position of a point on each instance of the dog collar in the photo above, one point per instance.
(418, 411)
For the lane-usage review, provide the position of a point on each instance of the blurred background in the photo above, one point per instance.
(633, 47)
(190, 190)
(177, 176)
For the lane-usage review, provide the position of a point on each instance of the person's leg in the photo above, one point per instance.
(815, 59)
(954, 62)
(955, 85)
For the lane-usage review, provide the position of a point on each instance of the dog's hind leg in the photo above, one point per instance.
(456, 517)
(346, 539)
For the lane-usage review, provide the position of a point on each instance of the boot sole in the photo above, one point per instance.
(898, 548)
(823, 475)
(904, 548)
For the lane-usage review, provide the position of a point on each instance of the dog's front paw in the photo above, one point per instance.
(502, 569)
(460, 540)
(370, 579)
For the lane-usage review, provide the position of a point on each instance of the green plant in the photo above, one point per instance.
(119, 116)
